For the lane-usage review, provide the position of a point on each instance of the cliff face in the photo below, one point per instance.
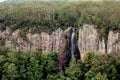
(60, 41)
(67, 50)
(113, 43)
(64, 52)
(88, 40)
(32, 42)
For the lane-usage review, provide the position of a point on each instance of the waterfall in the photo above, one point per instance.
(72, 41)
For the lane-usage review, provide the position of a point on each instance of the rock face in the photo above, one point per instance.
(43, 41)
(101, 47)
(59, 41)
(89, 40)
(113, 43)
(64, 54)
(56, 40)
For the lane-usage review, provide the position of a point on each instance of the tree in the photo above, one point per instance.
(74, 71)
(100, 76)
(10, 71)
(34, 70)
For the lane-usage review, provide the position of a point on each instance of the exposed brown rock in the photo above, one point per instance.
(64, 54)
(64, 51)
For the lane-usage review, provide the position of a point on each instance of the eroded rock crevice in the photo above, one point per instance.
(68, 49)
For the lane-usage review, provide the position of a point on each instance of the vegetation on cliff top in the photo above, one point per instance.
(48, 16)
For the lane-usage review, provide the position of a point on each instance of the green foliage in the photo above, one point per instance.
(100, 76)
(40, 16)
(102, 67)
(74, 71)
(22, 65)
(42, 66)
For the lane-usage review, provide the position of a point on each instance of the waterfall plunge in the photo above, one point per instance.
(72, 41)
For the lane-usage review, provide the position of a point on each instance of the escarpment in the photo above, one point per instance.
(88, 40)
(43, 41)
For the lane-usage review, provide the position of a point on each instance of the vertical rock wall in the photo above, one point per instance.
(64, 52)
(88, 40)
(56, 39)
(101, 46)
(43, 41)
(46, 42)
(113, 43)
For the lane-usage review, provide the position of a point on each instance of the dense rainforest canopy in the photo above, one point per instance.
(26, 65)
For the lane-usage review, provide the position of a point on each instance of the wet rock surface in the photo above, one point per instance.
(65, 53)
